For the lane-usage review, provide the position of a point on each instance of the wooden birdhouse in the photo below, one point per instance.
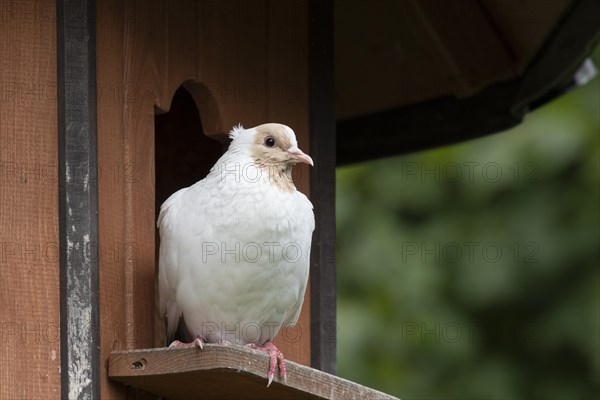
(109, 106)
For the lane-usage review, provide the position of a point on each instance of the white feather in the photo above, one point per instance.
(235, 131)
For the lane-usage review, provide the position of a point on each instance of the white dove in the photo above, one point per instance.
(235, 246)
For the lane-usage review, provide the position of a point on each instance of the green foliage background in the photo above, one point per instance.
(472, 271)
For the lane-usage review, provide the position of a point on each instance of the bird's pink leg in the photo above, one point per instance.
(275, 356)
(197, 342)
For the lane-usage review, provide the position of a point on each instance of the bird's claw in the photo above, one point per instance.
(197, 342)
(275, 358)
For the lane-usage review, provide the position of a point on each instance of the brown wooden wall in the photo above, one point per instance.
(29, 263)
(249, 63)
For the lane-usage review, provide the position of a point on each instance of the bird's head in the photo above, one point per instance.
(271, 145)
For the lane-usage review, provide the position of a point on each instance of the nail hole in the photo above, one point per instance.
(140, 364)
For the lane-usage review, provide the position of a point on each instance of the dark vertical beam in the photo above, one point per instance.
(322, 186)
(78, 199)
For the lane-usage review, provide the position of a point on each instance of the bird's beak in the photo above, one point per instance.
(299, 155)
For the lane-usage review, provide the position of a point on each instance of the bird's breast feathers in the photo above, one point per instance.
(235, 255)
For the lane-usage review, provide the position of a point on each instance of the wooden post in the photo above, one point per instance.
(78, 199)
(322, 189)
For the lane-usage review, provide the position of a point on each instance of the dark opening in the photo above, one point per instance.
(184, 155)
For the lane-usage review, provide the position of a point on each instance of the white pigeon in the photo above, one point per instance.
(235, 246)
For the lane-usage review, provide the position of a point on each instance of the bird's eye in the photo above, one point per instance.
(269, 141)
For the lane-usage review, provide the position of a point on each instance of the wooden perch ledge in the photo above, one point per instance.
(226, 372)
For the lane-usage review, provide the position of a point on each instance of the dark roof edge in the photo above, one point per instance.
(497, 108)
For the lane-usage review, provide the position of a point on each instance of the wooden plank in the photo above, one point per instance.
(29, 256)
(181, 55)
(322, 189)
(286, 101)
(232, 54)
(226, 372)
(144, 70)
(116, 332)
(78, 198)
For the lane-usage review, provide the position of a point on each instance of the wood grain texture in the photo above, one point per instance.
(226, 372)
(29, 268)
(226, 54)
(116, 332)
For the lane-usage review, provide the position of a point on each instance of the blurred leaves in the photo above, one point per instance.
(472, 271)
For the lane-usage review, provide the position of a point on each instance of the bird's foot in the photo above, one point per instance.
(275, 356)
(197, 342)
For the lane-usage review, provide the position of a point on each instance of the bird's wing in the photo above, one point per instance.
(294, 312)
(166, 206)
(168, 268)
(308, 223)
